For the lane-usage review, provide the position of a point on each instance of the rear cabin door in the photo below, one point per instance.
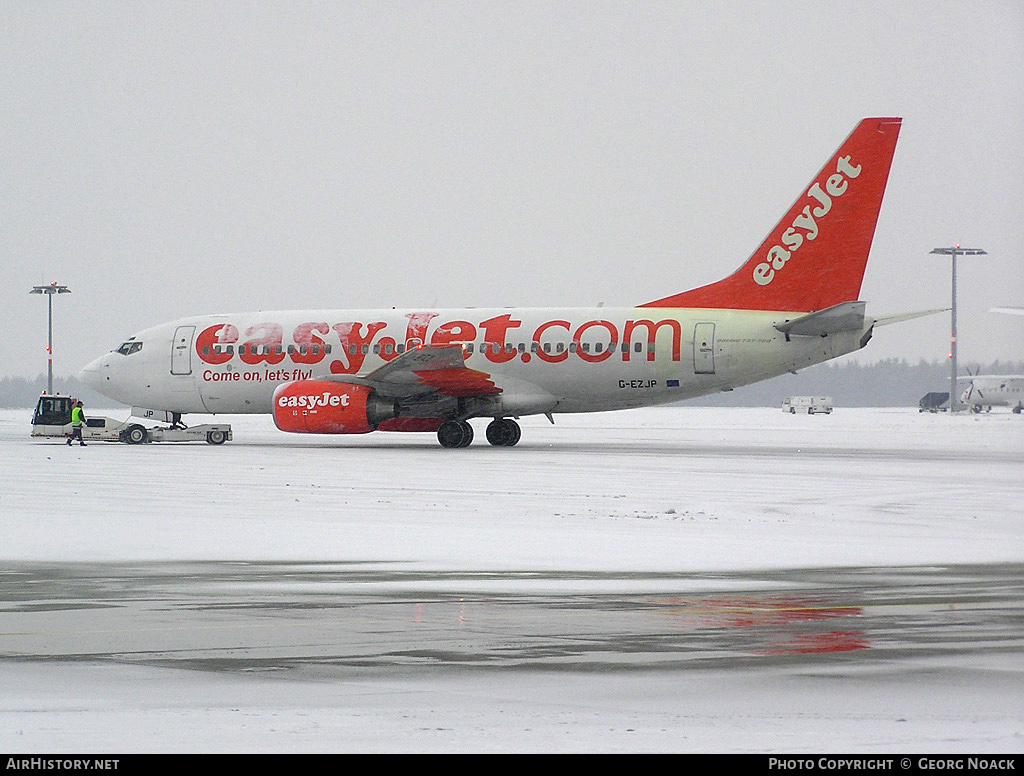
(704, 349)
(181, 350)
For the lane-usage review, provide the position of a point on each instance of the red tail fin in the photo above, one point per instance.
(814, 257)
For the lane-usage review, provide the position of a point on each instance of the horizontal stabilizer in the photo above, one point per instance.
(885, 320)
(846, 316)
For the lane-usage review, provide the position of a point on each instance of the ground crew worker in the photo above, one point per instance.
(77, 421)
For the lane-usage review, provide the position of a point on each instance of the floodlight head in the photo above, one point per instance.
(958, 251)
(52, 288)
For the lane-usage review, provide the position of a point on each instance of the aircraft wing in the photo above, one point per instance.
(1008, 310)
(421, 371)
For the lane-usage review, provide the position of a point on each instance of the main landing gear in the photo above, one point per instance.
(455, 433)
(502, 432)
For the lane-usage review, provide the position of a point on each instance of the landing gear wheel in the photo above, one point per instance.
(136, 435)
(455, 433)
(216, 437)
(503, 432)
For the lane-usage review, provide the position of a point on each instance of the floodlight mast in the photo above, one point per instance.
(955, 251)
(50, 290)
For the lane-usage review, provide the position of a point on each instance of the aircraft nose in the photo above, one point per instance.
(92, 373)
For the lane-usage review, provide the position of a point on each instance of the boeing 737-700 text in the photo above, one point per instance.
(794, 303)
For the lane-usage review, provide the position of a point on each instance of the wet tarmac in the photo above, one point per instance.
(314, 619)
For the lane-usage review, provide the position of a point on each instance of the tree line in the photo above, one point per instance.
(17, 392)
(889, 383)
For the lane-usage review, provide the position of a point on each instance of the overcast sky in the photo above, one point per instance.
(168, 159)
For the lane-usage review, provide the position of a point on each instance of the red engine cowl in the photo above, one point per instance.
(322, 407)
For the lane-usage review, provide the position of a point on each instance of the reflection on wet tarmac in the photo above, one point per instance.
(777, 625)
(238, 616)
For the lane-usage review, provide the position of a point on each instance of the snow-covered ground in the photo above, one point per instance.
(657, 490)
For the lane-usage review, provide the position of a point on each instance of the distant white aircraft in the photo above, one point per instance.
(792, 304)
(988, 391)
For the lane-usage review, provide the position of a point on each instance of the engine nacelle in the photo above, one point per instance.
(323, 407)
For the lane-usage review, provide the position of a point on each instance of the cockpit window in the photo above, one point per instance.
(129, 347)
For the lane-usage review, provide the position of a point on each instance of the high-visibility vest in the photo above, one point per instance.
(76, 416)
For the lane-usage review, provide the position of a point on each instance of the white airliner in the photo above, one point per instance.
(794, 303)
(988, 391)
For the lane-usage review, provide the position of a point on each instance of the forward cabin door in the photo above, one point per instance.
(704, 349)
(181, 350)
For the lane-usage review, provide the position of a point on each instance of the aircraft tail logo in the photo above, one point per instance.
(815, 256)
